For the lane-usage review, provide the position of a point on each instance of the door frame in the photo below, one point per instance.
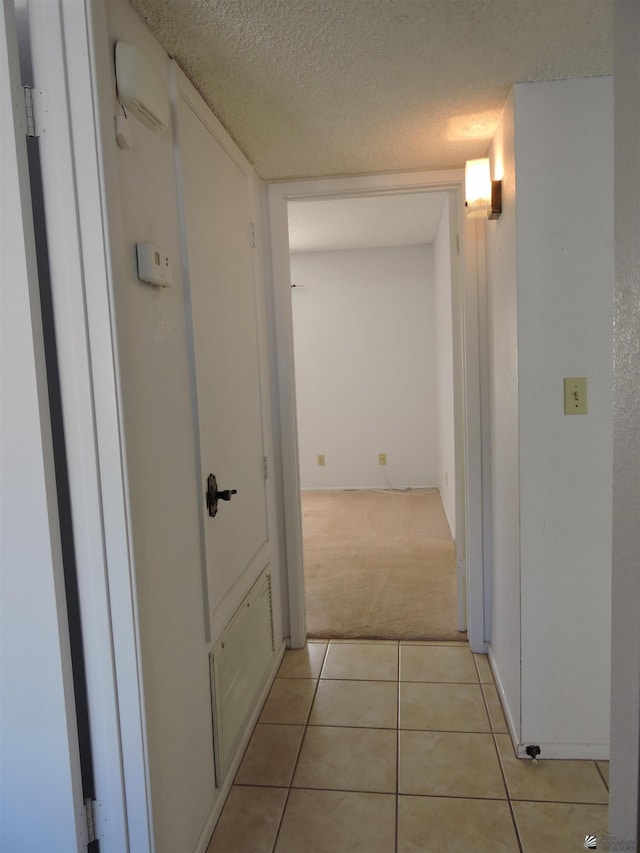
(41, 787)
(466, 281)
(72, 67)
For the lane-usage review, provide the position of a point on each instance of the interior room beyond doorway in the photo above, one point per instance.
(379, 564)
(373, 340)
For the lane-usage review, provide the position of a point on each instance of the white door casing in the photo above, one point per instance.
(469, 511)
(40, 784)
(72, 64)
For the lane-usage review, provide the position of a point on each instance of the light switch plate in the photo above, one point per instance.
(575, 395)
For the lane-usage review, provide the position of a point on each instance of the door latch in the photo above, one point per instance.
(213, 495)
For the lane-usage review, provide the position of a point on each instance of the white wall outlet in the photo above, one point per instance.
(321, 459)
(382, 458)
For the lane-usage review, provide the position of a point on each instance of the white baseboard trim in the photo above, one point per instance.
(383, 488)
(223, 792)
(512, 725)
(582, 751)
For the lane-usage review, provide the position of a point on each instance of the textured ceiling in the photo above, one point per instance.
(362, 223)
(335, 87)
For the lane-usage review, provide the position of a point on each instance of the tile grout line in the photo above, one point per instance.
(397, 798)
(513, 814)
(372, 680)
(388, 793)
(502, 773)
(557, 802)
(389, 680)
(419, 796)
(284, 808)
(606, 784)
(462, 683)
(295, 765)
(450, 731)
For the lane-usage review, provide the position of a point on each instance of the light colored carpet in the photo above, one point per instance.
(379, 565)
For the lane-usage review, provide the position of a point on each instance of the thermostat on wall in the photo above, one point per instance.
(153, 265)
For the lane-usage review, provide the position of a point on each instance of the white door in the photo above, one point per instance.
(40, 788)
(217, 216)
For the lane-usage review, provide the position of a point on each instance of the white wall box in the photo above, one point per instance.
(154, 265)
(141, 87)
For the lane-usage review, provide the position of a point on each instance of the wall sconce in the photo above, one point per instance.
(483, 197)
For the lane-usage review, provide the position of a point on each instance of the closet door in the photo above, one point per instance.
(218, 242)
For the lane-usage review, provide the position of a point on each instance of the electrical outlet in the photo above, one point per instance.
(321, 459)
(382, 458)
(575, 395)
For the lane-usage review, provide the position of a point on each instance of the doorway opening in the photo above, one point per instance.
(373, 343)
(467, 288)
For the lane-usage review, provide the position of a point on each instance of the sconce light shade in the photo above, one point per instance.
(483, 197)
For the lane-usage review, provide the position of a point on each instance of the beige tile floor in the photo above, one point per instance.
(385, 747)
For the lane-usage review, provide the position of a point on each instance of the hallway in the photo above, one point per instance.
(331, 769)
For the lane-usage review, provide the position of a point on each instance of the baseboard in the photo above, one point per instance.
(383, 488)
(514, 730)
(581, 751)
(223, 792)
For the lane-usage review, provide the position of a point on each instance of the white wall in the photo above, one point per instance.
(445, 431)
(365, 353)
(163, 481)
(563, 285)
(503, 417)
(625, 671)
(564, 132)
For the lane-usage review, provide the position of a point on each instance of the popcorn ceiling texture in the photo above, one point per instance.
(340, 87)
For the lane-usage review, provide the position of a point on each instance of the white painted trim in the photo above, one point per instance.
(176, 78)
(393, 182)
(365, 488)
(457, 308)
(278, 195)
(512, 724)
(485, 429)
(116, 500)
(579, 751)
(183, 88)
(72, 60)
(590, 751)
(290, 477)
(275, 465)
(473, 486)
(41, 793)
(223, 792)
